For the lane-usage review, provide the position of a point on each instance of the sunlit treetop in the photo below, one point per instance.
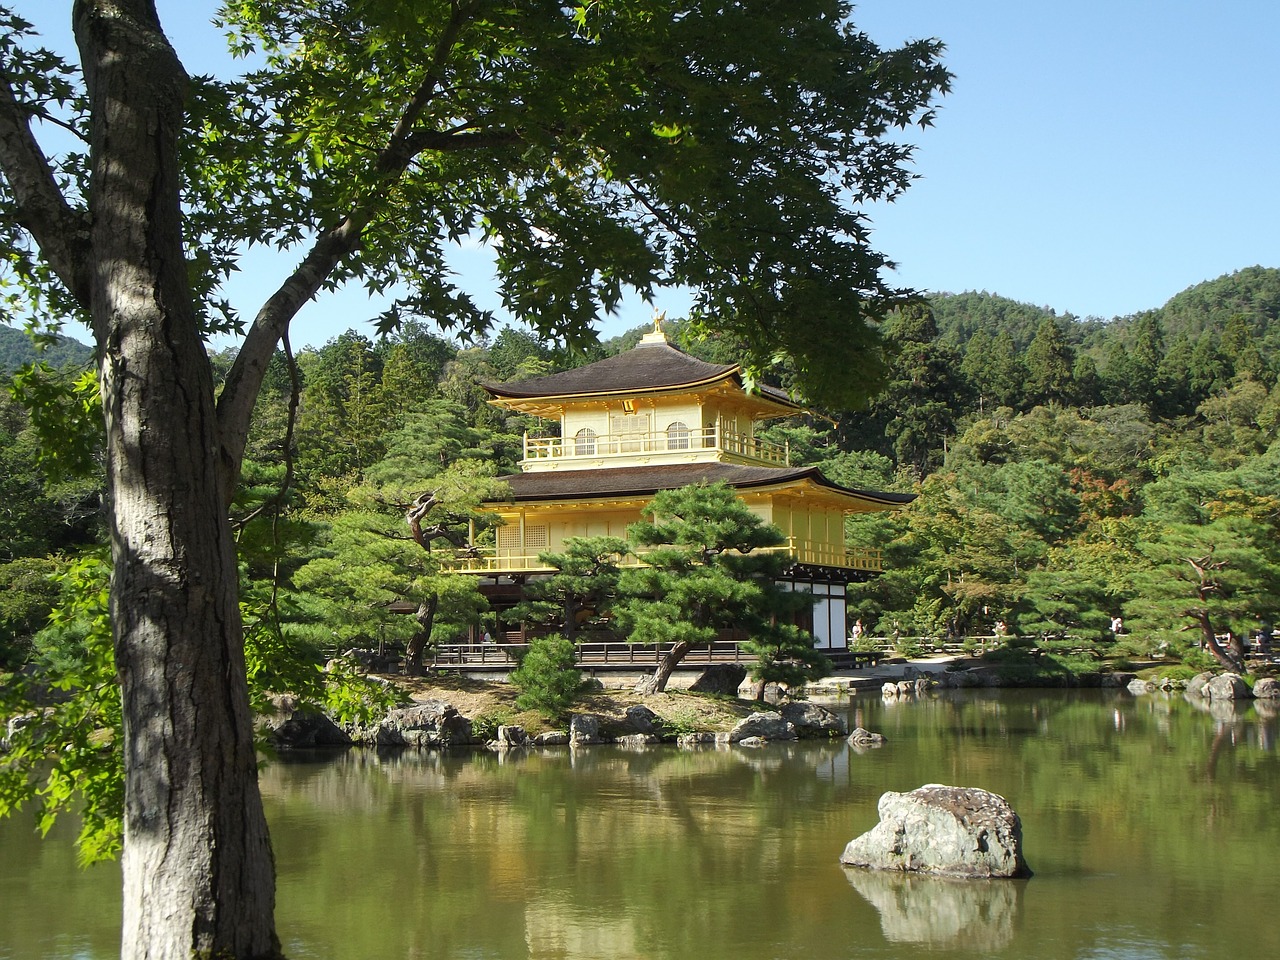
(601, 147)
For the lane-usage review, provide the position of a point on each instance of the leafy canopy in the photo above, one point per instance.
(596, 147)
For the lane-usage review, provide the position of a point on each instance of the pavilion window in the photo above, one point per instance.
(584, 442)
(678, 436)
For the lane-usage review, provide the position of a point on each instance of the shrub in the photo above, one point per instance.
(547, 679)
(1175, 671)
(485, 725)
(679, 722)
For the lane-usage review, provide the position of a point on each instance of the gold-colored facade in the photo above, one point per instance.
(655, 418)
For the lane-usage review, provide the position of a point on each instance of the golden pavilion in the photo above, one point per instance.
(655, 418)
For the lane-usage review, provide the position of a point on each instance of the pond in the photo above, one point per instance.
(1150, 824)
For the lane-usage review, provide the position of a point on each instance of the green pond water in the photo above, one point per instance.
(1151, 825)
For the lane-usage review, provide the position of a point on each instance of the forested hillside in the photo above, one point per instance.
(1068, 471)
(16, 349)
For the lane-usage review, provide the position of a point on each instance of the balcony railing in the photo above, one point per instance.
(632, 444)
(488, 560)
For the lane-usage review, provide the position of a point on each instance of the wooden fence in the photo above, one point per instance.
(615, 656)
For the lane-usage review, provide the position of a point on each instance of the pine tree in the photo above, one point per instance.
(581, 591)
(709, 568)
(1049, 363)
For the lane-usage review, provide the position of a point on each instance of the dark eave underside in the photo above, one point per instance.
(646, 481)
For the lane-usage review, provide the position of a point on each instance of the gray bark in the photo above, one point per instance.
(658, 682)
(426, 617)
(197, 864)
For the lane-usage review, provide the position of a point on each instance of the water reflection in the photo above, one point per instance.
(939, 911)
(1149, 820)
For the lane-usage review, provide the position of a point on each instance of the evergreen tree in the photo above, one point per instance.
(709, 568)
(384, 549)
(920, 402)
(994, 370)
(1050, 360)
(1086, 382)
(1240, 350)
(580, 593)
(1207, 369)
(1145, 360)
(547, 677)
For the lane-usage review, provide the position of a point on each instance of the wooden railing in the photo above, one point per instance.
(610, 445)
(488, 560)
(613, 655)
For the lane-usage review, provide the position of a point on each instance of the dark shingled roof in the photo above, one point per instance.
(648, 367)
(644, 481)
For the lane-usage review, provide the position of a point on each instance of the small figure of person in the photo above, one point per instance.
(1117, 626)
(1002, 628)
(858, 630)
(487, 637)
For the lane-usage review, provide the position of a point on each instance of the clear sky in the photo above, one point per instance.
(1094, 156)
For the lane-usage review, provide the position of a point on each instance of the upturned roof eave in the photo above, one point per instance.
(788, 477)
(785, 405)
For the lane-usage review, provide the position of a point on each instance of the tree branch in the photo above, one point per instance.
(240, 390)
(61, 232)
(450, 140)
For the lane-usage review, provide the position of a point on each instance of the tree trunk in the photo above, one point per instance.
(1220, 653)
(426, 617)
(197, 864)
(658, 682)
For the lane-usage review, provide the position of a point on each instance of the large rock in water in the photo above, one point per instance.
(770, 726)
(1267, 688)
(946, 831)
(812, 720)
(1227, 686)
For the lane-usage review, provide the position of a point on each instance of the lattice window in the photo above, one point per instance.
(536, 540)
(678, 436)
(584, 442)
(630, 430)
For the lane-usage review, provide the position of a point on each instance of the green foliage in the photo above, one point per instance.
(372, 558)
(28, 592)
(581, 593)
(547, 678)
(484, 726)
(783, 653)
(1173, 671)
(646, 117)
(681, 721)
(1050, 361)
(66, 414)
(709, 568)
(67, 757)
(277, 662)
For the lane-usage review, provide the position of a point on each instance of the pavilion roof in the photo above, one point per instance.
(649, 367)
(648, 480)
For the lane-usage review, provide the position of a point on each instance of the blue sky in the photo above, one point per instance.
(1094, 157)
